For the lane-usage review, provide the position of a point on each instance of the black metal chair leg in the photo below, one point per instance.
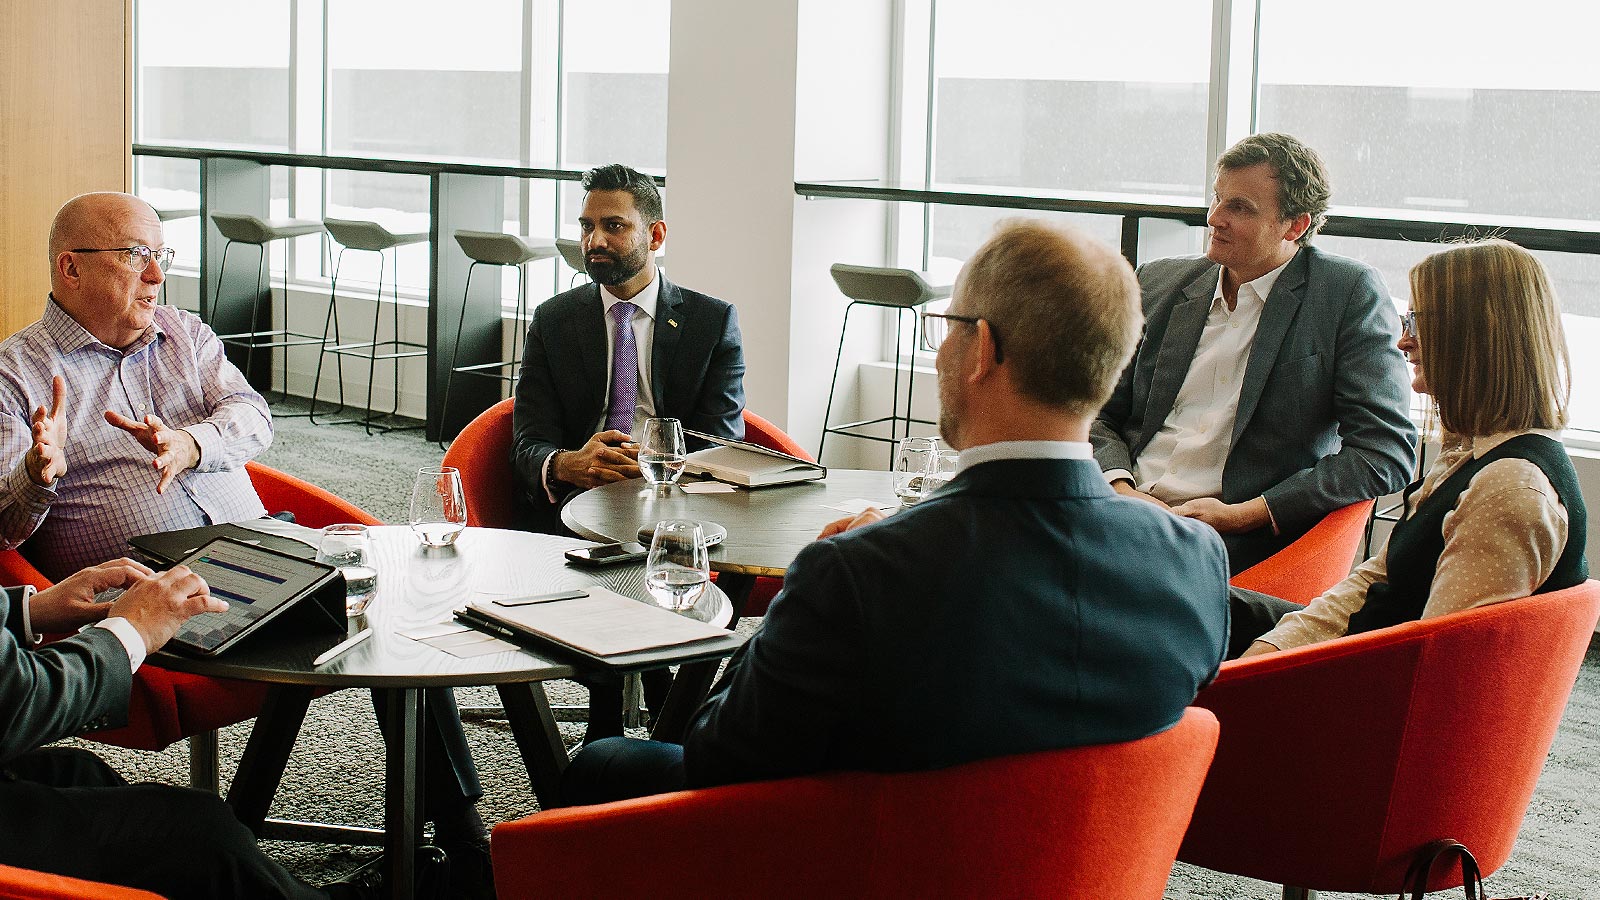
(444, 407)
(833, 385)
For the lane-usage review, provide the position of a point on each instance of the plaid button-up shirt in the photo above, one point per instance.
(177, 371)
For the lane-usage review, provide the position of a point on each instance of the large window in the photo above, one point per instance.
(542, 83)
(1428, 109)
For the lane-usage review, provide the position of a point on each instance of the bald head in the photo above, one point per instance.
(101, 291)
(1065, 309)
(92, 220)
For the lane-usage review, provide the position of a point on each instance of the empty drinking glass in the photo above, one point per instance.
(438, 510)
(349, 548)
(678, 569)
(912, 462)
(661, 452)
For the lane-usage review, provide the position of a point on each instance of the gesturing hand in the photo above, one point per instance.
(174, 448)
(47, 458)
(70, 603)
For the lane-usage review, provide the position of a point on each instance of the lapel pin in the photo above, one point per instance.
(673, 322)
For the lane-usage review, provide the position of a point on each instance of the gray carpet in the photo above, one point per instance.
(336, 773)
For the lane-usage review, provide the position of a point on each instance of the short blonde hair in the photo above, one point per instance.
(1064, 308)
(1493, 350)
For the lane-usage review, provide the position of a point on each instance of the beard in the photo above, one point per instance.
(616, 268)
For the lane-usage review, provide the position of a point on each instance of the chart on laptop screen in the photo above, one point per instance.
(253, 581)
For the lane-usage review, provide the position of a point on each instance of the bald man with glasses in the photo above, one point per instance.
(118, 416)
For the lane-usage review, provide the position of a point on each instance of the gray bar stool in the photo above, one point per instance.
(901, 290)
(493, 248)
(373, 238)
(239, 228)
(171, 215)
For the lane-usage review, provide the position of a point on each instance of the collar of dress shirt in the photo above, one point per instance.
(1484, 443)
(71, 337)
(1261, 286)
(645, 299)
(983, 453)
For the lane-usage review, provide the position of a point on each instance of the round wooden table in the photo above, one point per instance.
(767, 527)
(417, 586)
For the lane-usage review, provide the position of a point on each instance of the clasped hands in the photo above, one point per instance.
(1226, 518)
(608, 456)
(174, 450)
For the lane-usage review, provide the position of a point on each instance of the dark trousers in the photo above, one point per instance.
(450, 786)
(66, 812)
(1252, 614)
(620, 769)
(605, 700)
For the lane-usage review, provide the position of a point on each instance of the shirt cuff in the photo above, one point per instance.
(28, 591)
(21, 489)
(208, 440)
(129, 636)
(1115, 475)
(545, 474)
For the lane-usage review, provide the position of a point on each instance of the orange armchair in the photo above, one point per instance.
(1082, 822)
(26, 884)
(763, 433)
(1340, 760)
(1316, 561)
(482, 451)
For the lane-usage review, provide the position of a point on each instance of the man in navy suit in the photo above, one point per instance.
(677, 352)
(892, 647)
(602, 358)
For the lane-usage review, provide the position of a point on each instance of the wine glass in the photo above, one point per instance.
(678, 569)
(912, 462)
(438, 510)
(661, 452)
(348, 547)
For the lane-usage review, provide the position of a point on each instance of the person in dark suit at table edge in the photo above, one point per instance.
(602, 358)
(1267, 390)
(885, 652)
(62, 809)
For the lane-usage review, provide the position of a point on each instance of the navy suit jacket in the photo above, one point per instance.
(697, 376)
(1025, 606)
(1324, 410)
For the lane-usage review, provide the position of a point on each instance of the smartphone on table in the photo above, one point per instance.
(607, 554)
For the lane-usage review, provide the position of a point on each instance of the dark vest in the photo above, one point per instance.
(1418, 538)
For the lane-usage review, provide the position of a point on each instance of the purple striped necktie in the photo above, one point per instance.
(624, 370)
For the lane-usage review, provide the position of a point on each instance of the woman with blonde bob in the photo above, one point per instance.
(1499, 515)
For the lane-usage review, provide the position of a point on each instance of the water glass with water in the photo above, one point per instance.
(941, 469)
(678, 569)
(661, 452)
(912, 461)
(438, 509)
(349, 548)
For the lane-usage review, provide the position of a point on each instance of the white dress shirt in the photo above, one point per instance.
(1184, 460)
(998, 450)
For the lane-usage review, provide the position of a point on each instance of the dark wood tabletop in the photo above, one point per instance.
(767, 526)
(419, 586)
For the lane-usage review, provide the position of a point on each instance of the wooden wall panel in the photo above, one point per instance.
(65, 128)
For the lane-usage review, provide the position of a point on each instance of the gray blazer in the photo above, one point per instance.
(73, 685)
(1323, 417)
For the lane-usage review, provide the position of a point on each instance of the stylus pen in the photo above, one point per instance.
(342, 646)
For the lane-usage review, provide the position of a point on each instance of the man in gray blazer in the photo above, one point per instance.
(1267, 390)
(63, 810)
